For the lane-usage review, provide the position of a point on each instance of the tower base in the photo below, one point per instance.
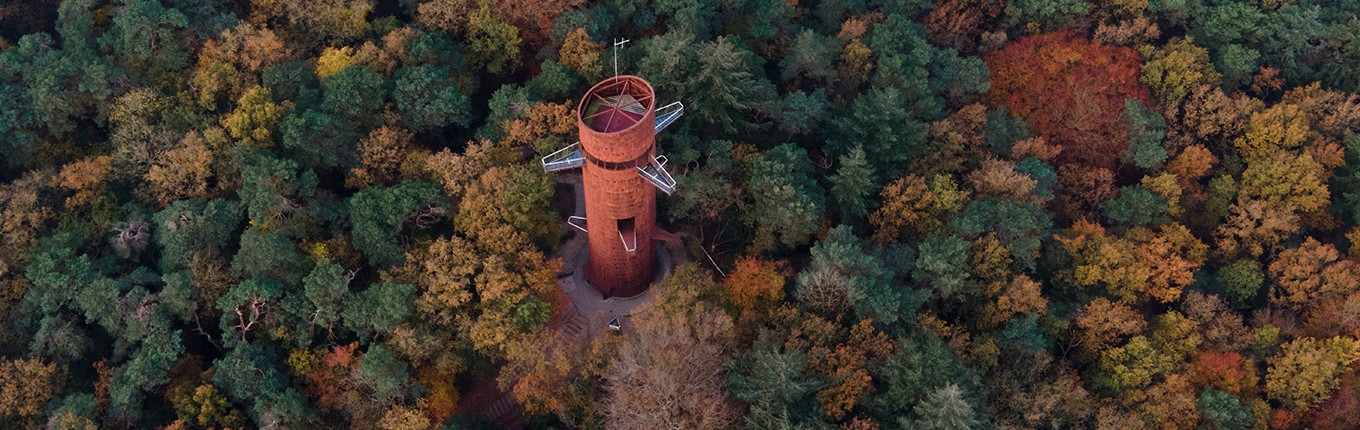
(661, 266)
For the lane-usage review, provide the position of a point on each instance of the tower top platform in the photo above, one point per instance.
(616, 104)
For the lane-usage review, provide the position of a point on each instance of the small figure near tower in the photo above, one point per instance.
(618, 122)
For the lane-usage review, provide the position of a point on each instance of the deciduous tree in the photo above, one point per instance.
(582, 54)
(906, 209)
(1103, 323)
(1177, 67)
(382, 157)
(1070, 91)
(23, 217)
(182, 172)
(671, 371)
(26, 385)
(88, 178)
(755, 283)
(255, 119)
(1307, 370)
(1311, 272)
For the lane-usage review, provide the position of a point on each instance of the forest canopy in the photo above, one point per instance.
(954, 214)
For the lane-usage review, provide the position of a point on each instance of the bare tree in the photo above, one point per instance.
(130, 237)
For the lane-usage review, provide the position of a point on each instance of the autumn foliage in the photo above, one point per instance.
(1069, 90)
(755, 283)
(946, 214)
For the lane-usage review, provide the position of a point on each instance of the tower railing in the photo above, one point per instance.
(565, 158)
(571, 221)
(667, 114)
(628, 234)
(655, 172)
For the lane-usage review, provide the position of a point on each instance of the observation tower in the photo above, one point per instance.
(618, 121)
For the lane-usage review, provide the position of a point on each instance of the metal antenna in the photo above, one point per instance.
(617, 44)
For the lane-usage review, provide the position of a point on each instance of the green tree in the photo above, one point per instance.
(275, 191)
(1243, 279)
(1232, 22)
(246, 374)
(1019, 226)
(494, 43)
(192, 227)
(774, 382)
(555, 82)
(291, 80)
(1146, 130)
(721, 81)
(1043, 15)
(381, 216)
(145, 371)
(710, 192)
(269, 255)
(388, 377)
(879, 124)
(532, 314)
(942, 266)
(58, 272)
(50, 77)
(852, 185)
(355, 93)
(921, 366)
(144, 34)
(810, 57)
(527, 196)
(326, 288)
(179, 295)
(1134, 206)
(427, 99)
(379, 308)
(801, 112)
(247, 308)
(317, 139)
(1238, 65)
(1024, 332)
(946, 408)
(786, 199)
(59, 339)
(1223, 411)
(844, 275)
(74, 411)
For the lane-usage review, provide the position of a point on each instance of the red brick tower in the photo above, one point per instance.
(618, 122)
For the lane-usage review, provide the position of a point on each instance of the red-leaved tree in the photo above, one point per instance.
(1071, 91)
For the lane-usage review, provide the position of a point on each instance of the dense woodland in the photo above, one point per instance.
(973, 214)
